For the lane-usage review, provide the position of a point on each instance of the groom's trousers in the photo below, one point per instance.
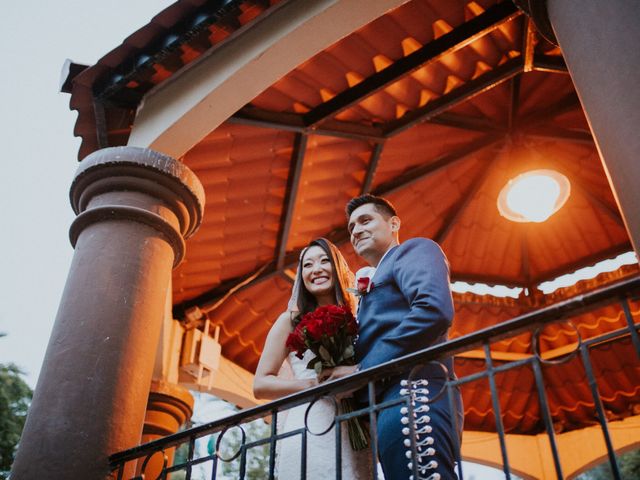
(438, 430)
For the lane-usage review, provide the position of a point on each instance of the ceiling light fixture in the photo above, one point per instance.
(533, 196)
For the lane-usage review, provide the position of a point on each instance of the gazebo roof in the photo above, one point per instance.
(435, 105)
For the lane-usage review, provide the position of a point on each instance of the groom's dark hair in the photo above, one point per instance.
(382, 205)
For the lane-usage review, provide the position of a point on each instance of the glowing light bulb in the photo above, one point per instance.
(533, 196)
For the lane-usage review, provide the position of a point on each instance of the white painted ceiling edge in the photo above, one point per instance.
(177, 114)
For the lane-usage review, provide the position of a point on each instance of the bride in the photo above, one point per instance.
(322, 279)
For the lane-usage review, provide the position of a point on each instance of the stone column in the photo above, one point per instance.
(135, 208)
(599, 42)
(169, 407)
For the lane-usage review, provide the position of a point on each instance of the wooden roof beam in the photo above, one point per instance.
(576, 184)
(574, 136)
(549, 63)
(612, 212)
(371, 169)
(101, 123)
(451, 42)
(459, 208)
(268, 271)
(293, 122)
(528, 45)
(514, 104)
(291, 194)
(458, 95)
(465, 122)
(566, 104)
(529, 40)
(423, 171)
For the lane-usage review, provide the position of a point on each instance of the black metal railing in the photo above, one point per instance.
(131, 464)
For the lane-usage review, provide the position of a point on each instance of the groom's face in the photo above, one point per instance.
(371, 232)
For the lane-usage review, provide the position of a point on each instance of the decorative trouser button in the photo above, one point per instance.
(418, 399)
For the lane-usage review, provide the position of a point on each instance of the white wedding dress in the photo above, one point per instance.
(320, 449)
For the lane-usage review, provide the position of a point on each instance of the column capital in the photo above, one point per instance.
(537, 11)
(141, 185)
(169, 407)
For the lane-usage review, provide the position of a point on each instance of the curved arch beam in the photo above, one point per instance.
(180, 112)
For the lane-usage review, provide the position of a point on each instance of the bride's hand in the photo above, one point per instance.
(311, 382)
(336, 373)
(330, 374)
(324, 374)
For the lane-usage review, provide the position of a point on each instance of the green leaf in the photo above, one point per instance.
(313, 364)
(325, 355)
(349, 352)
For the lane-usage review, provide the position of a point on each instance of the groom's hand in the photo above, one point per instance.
(337, 372)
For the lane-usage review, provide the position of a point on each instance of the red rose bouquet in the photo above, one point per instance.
(330, 332)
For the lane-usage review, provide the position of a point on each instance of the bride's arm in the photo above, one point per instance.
(266, 383)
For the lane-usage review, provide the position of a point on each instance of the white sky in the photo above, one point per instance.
(40, 152)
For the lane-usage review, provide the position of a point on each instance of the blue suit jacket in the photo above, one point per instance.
(409, 307)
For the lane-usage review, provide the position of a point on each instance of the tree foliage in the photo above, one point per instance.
(629, 464)
(257, 457)
(15, 396)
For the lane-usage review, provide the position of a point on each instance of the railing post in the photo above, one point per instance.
(558, 312)
(272, 444)
(546, 417)
(497, 413)
(635, 339)
(602, 418)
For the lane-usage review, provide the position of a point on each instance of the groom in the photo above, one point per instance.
(408, 308)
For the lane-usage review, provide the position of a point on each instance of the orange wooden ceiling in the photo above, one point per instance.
(439, 141)
(443, 180)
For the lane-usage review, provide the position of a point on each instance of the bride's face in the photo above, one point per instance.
(317, 273)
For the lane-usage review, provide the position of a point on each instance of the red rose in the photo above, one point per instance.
(352, 326)
(331, 327)
(330, 333)
(295, 343)
(363, 285)
(315, 328)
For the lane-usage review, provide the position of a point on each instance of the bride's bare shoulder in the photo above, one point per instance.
(285, 319)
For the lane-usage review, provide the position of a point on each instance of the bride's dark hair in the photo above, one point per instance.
(306, 301)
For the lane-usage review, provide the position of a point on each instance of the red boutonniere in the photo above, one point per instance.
(363, 282)
(364, 285)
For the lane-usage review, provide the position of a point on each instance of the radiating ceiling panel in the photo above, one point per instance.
(333, 171)
(428, 205)
(244, 171)
(420, 146)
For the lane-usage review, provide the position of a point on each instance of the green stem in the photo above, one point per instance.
(358, 432)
